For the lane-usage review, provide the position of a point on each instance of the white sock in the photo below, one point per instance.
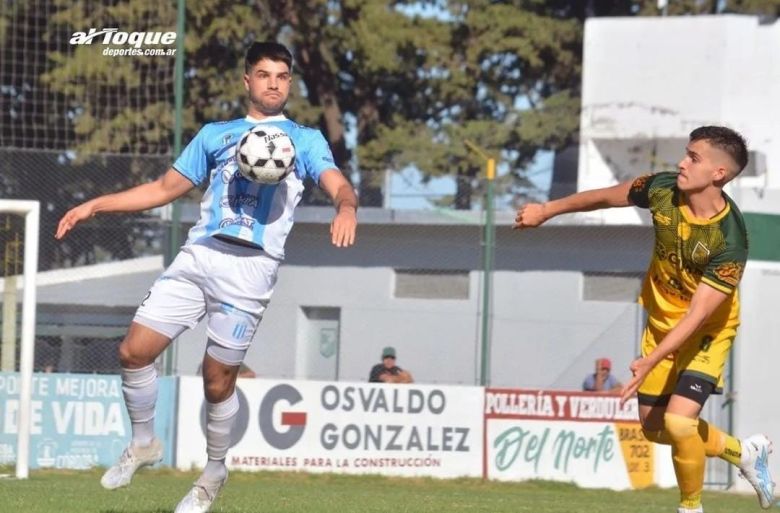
(140, 390)
(220, 418)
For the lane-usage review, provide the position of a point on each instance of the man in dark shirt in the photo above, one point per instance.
(388, 371)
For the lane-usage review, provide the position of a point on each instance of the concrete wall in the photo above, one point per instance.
(647, 82)
(756, 353)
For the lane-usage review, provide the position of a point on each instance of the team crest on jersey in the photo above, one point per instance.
(700, 254)
(730, 272)
(226, 138)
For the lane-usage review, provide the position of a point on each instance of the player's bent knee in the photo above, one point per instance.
(679, 427)
(130, 359)
(217, 391)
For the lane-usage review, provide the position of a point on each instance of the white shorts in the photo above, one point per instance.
(231, 284)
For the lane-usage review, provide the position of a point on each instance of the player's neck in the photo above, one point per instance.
(706, 203)
(255, 115)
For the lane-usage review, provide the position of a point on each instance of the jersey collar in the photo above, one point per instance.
(279, 117)
(692, 219)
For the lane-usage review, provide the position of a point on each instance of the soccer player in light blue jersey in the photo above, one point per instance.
(226, 270)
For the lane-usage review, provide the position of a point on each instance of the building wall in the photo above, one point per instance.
(647, 82)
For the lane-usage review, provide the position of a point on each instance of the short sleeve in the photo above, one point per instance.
(639, 194)
(373, 376)
(588, 384)
(193, 161)
(725, 269)
(317, 156)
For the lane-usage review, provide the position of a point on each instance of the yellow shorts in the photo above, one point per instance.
(703, 355)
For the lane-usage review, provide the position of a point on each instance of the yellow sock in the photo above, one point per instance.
(717, 443)
(720, 444)
(688, 458)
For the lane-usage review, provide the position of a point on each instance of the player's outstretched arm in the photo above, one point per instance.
(344, 225)
(160, 192)
(534, 214)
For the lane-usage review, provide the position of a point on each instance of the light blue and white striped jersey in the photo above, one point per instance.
(237, 207)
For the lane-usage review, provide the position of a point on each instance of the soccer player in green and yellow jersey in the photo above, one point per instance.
(691, 298)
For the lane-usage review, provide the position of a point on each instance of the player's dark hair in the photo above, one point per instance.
(724, 139)
(271, 50)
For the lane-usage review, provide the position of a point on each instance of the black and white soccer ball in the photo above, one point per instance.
(265, 154)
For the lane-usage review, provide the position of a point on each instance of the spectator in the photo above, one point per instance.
(388, 371)
(602, 380)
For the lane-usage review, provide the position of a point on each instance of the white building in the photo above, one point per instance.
(647, 82)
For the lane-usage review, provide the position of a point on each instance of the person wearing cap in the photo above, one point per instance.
(388, 371)
(602, 379)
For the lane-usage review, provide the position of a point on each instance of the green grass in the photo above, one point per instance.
(158, 491)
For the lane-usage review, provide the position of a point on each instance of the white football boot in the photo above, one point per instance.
(755, 468)
(201, 496)
(685, 510)
(132, 458)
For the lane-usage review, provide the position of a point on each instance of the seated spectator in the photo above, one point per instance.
(388, 371)
(602, 380)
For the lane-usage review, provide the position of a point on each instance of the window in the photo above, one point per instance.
(605, 286)
(431, 284)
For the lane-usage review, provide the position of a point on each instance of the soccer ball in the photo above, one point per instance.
(265, 154)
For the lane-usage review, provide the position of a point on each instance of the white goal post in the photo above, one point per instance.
(31, 211)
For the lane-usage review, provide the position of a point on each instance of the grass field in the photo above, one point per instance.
(158, 491)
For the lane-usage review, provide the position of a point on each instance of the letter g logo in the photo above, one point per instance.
(295, 420)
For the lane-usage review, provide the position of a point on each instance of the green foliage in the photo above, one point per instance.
(118, 104)
(410, 78)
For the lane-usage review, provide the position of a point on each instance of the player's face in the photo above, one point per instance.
(701, 167)
(389, 362)
(268, 85)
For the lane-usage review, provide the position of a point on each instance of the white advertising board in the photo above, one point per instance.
(360, 428)
(587, 439)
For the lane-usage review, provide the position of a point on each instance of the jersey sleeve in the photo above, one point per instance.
(193, 161)
(373, 376)
(641, 188)
(588, 384)
(317, 156)
(726, 268)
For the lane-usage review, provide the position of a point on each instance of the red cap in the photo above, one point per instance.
(605, 363)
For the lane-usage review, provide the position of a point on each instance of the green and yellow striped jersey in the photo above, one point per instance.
(688, 251)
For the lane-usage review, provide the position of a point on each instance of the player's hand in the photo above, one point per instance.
(342, 229)
(530, 216)
(640, 368)
(72, 217)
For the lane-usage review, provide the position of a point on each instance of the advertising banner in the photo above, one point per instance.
(360, 428)
(78, 420)
(587, 439)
